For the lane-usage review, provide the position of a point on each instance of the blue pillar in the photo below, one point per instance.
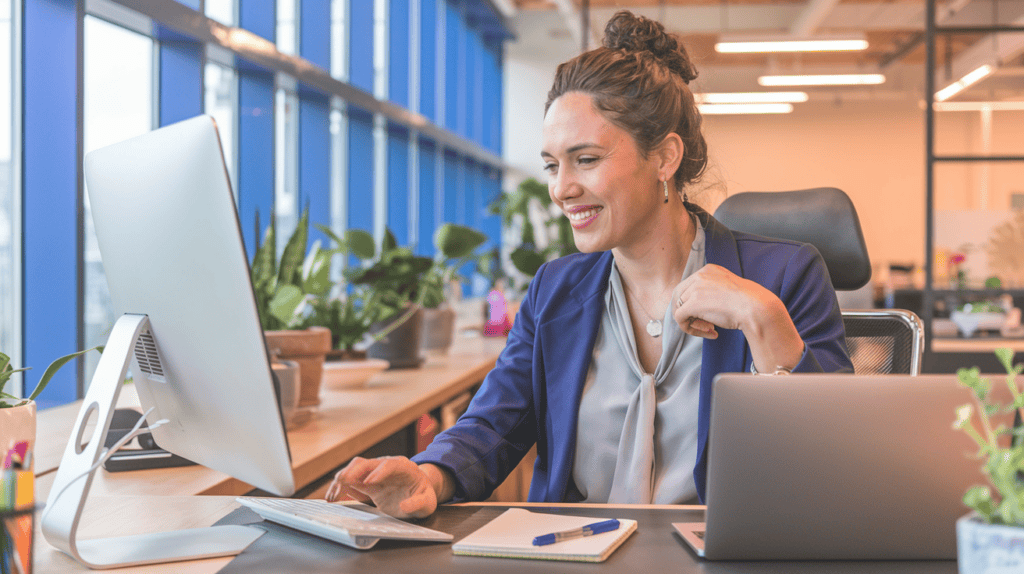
(428, 59)
(427, 219)
(315, 119)
(360, 170)
(181, 79)
(51, 200)
(398, 183)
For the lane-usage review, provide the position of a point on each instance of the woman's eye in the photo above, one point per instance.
(586, 160)
(550, 167)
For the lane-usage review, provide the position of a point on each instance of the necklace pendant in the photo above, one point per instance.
(654, 328)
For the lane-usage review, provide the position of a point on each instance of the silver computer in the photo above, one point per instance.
(834, 467)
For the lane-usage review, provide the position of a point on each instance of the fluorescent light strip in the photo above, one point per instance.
(751, 98)
(978, 106)
(715, 109)
(760, 47)
(822, 80)
(963, 83)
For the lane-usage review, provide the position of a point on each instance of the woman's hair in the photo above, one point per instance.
(639, 80)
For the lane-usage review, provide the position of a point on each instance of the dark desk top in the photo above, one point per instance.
(653, 548)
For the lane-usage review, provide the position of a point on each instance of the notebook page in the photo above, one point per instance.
(511, 535)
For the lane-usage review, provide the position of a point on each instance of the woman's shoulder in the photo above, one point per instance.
(581, 273)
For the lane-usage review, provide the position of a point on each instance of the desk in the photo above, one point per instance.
(654, 547)
(347, 423)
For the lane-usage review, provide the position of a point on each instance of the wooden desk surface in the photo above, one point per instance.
(347, 423)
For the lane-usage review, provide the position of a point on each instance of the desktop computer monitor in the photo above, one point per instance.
(175, 262)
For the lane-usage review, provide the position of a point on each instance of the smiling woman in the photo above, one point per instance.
(610, 363)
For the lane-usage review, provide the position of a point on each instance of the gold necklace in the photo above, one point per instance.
(654, 326)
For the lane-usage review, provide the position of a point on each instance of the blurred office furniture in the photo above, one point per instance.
(879, 340)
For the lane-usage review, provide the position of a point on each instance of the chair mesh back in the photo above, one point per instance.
(879, 344)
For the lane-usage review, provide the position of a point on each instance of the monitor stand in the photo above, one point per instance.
(67, 497)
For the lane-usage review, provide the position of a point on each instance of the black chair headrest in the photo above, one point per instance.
(824, 217)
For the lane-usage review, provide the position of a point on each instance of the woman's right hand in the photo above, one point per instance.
(394, 484)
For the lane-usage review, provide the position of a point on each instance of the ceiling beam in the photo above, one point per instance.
(812, 16)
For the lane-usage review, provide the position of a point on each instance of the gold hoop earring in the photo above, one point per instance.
(664, 184)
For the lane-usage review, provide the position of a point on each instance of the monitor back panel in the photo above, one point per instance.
(838, 467)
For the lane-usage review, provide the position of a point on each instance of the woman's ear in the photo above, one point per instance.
(670, 154)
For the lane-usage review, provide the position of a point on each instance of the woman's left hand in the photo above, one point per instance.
(715, 296)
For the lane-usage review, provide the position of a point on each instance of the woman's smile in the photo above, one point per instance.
(582, 216)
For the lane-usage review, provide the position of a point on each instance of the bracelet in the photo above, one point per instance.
(779, 370)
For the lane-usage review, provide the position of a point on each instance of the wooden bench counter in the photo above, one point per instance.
(346, 423)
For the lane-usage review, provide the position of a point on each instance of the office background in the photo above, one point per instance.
(409, 113)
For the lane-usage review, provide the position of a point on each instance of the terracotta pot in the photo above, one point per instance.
(308, 348)
(18, 424)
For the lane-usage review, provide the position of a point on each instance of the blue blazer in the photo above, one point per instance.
(532, 396)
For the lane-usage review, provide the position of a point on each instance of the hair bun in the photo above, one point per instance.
(631, 33)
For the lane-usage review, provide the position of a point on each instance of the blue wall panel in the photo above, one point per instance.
(315, 32)
(51, 227)
(471, 108)
(315, 161)
(398, 183)
(181, 81)
(255, 153)
(360, 169)
(398, 55)
(258, 17)
(427, 216)
(193, 4)
(360, 52)
(490, 190)
(452, 80)
(450, 202)
(428, 59)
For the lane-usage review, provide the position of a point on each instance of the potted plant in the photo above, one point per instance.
(545, 232)
(991, 538)
(18, 415)
(281, 288)
(394, 281)
(455, 246)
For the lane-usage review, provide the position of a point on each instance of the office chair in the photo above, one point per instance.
(879, 340)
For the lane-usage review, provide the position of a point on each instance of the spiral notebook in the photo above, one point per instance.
(511, 534)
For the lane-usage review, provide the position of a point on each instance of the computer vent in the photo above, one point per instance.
(147, 357)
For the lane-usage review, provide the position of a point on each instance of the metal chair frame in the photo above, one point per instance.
(910, 319)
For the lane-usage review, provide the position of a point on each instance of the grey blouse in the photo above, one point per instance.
(636, 439)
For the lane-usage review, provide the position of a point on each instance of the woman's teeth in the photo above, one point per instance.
(581, 215)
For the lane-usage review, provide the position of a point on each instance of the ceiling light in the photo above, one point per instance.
(822, 80)
(745, 108)
(978, 106)
(783, 45)
(963, 83)
(751, 98)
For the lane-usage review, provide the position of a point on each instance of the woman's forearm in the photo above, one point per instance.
(444, 486)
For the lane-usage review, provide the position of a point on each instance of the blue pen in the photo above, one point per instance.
(588, 530)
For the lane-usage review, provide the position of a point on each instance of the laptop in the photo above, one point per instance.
(836, 467)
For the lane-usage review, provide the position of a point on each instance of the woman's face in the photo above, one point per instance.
(597, 176)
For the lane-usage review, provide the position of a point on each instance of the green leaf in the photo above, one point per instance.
(54, 367)
(294, 253)
(285, 302)
(360, 244)
(1005, 357)
(317, 273)
(457, 241)
(526, 261)
(980, 499)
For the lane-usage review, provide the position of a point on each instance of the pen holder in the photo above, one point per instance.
(17, 522)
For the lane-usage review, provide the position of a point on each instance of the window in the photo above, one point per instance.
(221, 102)
(118, 105)
(223, 11)
(10, 233)
(286, 161)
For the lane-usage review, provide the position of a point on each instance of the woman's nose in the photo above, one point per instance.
(564, 186)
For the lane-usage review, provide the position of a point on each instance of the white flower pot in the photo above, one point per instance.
(17, 424)
(984, 548)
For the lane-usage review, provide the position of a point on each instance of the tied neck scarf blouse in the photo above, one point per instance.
(636, 440)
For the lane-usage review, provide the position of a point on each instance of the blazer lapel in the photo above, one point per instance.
(567, 345)
(722, 355)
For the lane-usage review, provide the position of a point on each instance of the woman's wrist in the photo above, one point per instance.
(775, 343)
(444, 487)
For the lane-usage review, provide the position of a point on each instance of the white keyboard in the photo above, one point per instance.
(339, 522)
